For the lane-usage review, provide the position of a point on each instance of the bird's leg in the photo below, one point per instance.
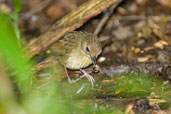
(69, 79)
(88, 76)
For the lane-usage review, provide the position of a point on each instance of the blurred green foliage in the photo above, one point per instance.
(12, 55)
(11, 51)
(17, 5)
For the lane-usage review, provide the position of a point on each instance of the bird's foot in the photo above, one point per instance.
(73, 81)
(85, 74)
(88, 76)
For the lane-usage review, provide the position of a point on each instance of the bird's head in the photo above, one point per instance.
(91, 46)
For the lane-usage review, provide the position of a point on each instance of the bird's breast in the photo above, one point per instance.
(77, 60)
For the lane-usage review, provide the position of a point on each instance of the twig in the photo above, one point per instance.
(43, 64)
(108, 13)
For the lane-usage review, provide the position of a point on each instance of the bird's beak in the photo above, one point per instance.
(93, 58)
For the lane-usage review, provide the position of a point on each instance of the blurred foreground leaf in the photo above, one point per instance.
(17, 5)
(13, 57)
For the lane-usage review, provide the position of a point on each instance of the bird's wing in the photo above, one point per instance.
(65, 45)
(57, 49)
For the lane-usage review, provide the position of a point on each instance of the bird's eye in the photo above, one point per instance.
(87, 49)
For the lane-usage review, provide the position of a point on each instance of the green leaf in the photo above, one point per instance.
(12, 55)
(17, 5)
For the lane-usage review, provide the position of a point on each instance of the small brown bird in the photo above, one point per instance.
(77, 50)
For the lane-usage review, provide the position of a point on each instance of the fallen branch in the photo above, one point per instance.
(69, 23)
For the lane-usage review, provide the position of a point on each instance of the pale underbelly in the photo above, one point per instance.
(78, 63)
